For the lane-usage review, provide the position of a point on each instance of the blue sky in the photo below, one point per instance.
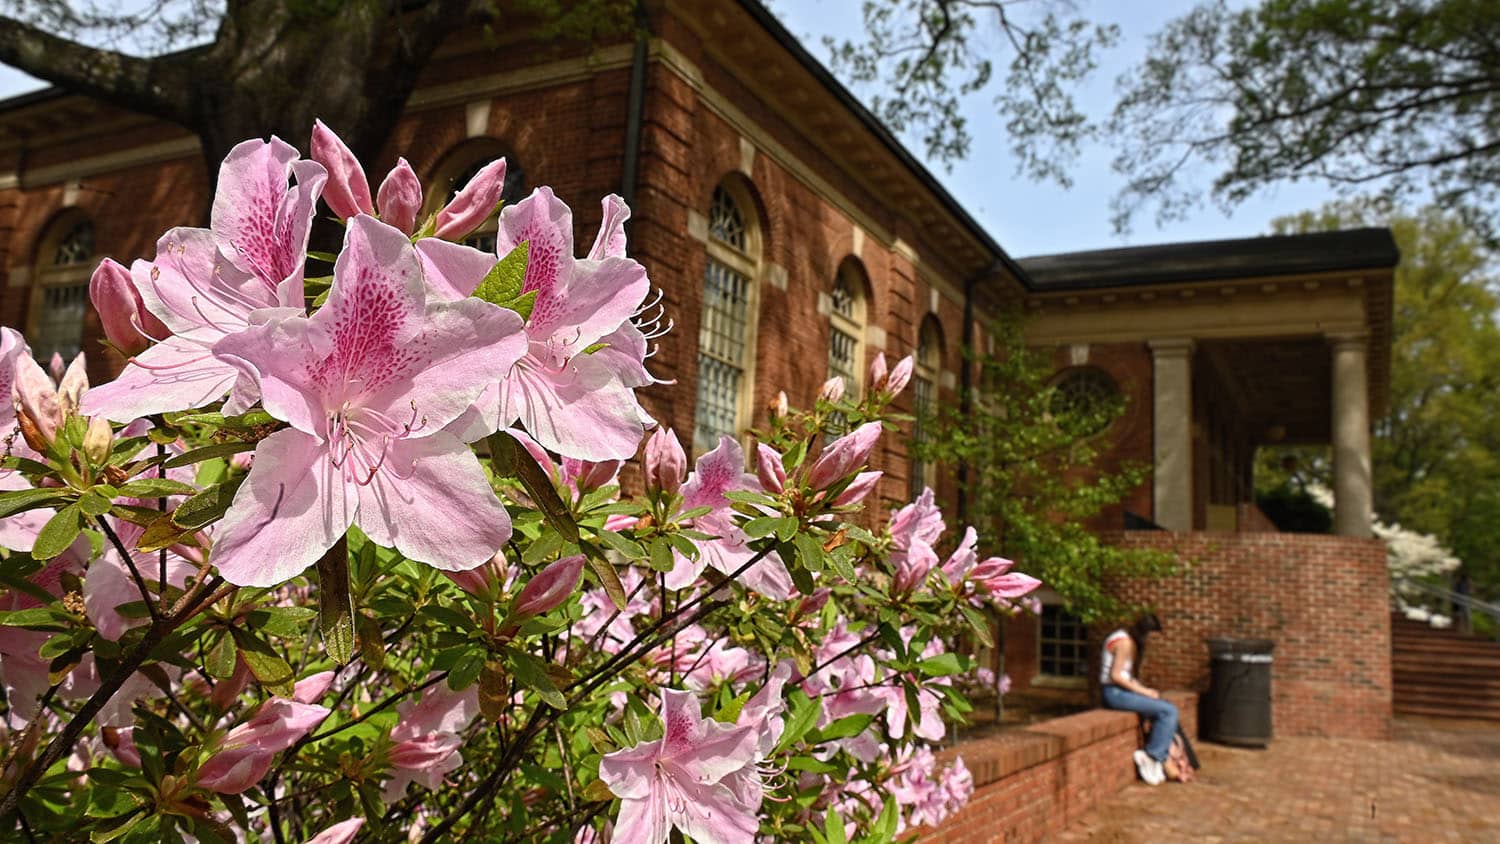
(1032, 218)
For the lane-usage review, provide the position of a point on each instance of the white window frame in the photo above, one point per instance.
(745, 261)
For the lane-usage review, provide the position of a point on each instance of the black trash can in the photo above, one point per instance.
(1237, 709)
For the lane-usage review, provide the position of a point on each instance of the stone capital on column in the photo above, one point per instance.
(1171, 347)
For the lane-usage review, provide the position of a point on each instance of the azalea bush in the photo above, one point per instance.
(344, 552)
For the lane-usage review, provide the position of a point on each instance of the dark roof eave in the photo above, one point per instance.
(41, 95)
(1174, 263)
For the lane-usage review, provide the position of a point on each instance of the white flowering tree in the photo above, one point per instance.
(343, 552)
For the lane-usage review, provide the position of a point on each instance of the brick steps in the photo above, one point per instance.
(1443, 674)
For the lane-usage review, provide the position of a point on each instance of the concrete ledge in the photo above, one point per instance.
(1032, 782)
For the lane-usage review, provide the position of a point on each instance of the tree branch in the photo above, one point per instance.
(160, 87)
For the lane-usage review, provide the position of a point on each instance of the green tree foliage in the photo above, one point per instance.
(1436, 452)
(1403, 95)
(918, 58)
(1035, 483)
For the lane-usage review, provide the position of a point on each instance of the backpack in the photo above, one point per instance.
(1180, 765)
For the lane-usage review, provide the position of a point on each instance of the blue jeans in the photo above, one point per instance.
(1163, 717)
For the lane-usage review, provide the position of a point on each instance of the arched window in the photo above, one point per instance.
(1085, 400)
(461, 165)
(726, 352)
(846, 318)
(924, 380)
(60, 297)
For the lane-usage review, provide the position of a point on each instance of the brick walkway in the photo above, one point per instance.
(1437, 781)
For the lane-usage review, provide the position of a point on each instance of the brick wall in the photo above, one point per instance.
(1030, 784)
(1321, 599)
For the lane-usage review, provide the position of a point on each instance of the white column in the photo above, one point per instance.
(1172, 426)
(1353, 497)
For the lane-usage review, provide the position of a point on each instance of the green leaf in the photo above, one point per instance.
(511, 459)
(627, 547)
(763, 526)
(161, 533)
(207, 506)
(208, 452)
(336, 602)
(804, 712)
(833, 828)
(59, 532)
(281, 621)
(532, 674)
(661, 554)
(850, 725)
(21, 500)
(838, 560)
(269, 669)
(942, 665)
(34, 618)
(608, 577)
(156, 488)
(94, 504)
(810, 553)
(544, 548)
(503, 283)
(983, 634)
(745, 496)
(220, 661)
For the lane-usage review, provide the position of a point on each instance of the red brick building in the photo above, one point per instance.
(794, 237)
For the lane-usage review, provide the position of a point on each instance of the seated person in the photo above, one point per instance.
(1122, 650)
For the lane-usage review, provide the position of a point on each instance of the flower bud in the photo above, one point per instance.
(778, 406)
(123, 315)
(769, 468)
(340, 833)
(877, 373)
(310, 689)
(72, 386)
(900, 375)
(97, 440)
(550, 587)
(483, 579)
(55, 366)
(121, 742)
(587, 476)
(666, 462)
(39, 404)
(858, 489)
(347, 192)
(832, 389)
(912, 567)
(474, 203)
(400, 198)
(844, 455)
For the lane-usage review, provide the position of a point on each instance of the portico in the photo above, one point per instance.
(1267, 341)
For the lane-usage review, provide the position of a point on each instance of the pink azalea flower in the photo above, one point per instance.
(367, 384)
(717, 472)
(474, 203)
(12, 348)
(340, 833)
(426, 741)
(575, 399)
(207, 284)
(920, 521)
(769, 468)
(858, 489)
(878, 372)
(844, 455)
(126, 322)
(912, 567)
(487, 578)
(550, 587)
(691, 779)
(47, 403)
(599, 614)
(246, 753)
(900, 376)
(963, 558)
(400, 198)
(666, 462)
(347, 192)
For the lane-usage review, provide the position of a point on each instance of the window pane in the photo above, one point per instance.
(77, 247)
(1062, 647)
(721, 355)
(922, 407)
(725, 224)
(60, 327)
